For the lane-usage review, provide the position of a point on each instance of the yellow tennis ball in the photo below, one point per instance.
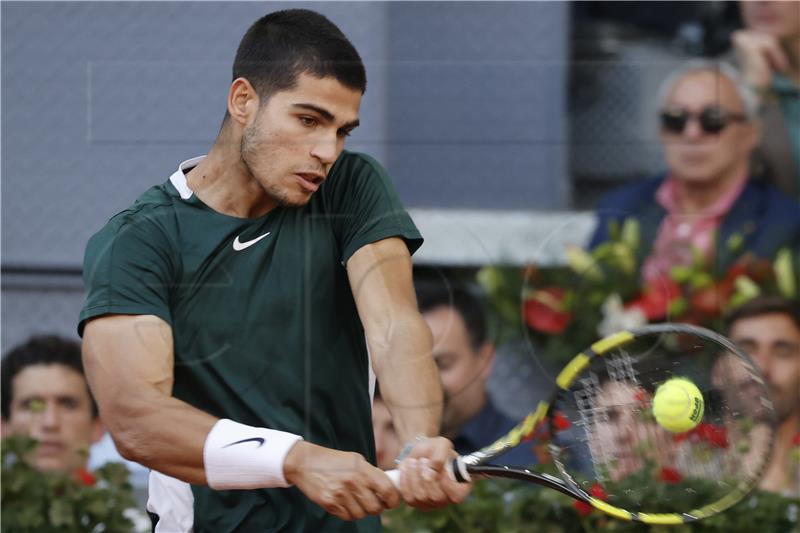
(678, 405)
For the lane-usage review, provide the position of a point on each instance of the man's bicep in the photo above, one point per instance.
(381, 279)
(128, 355)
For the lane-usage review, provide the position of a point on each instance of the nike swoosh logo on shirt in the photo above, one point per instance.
(259, 440)
(239, 245)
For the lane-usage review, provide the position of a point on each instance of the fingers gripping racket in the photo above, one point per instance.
(611, 450)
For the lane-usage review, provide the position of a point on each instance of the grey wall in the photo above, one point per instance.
(477, 95)
(101, 100)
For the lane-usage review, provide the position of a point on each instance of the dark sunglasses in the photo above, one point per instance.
(712, 119)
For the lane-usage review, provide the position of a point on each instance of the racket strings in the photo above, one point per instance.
(621, 444)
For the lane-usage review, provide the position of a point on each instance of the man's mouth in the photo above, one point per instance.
(310, 181)
(49, 447)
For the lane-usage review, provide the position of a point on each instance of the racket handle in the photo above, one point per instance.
(456, 469)
(394, 475)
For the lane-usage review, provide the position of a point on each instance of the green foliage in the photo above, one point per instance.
(563, 309)
(34, 502)
(500, 506)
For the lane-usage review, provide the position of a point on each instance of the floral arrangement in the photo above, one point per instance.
(33, 501)
(562, 310)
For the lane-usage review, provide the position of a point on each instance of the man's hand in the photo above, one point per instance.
(760, 55)
(342, 483)
(424, 481)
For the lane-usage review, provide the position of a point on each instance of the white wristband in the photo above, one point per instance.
(237, 456)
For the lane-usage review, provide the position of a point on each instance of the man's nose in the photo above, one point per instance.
(763, 361)
(51, 417)
(325, 149)
(693, 130)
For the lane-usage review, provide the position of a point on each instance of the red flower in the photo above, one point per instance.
(670, 475)
(582, 508)
(680, 437)
(598, 492)
(84, 477)
(656, 297)
(544, 311)
(796, 440)
(714, 435)
(560, 422)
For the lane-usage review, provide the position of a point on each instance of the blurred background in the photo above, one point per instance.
(500, 123)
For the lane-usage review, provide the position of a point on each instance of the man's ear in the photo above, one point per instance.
(486, 356)
(243, 102)
(98, 430)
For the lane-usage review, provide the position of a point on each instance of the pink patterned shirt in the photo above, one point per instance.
(681, 236)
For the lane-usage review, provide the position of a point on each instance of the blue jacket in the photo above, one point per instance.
(766, 219)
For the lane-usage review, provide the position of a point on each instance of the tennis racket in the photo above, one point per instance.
(610, 452)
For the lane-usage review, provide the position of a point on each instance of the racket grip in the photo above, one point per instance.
(456, 469)
(394, 475)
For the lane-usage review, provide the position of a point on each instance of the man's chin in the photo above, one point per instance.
(50, 464)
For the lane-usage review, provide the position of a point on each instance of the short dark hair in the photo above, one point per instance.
(280, 46)
(39, 350)
(432, 295)
(765, 305)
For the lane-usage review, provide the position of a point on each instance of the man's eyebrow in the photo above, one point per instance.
(327, 115)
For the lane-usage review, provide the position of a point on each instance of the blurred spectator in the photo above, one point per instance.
(464, 357)
(624, 442)
(768, 53)
(768, 329)
(45, 396)
(387, 442)
(704, 205)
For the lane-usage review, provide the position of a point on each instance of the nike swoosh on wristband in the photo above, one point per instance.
(259, 440)
(239, 245)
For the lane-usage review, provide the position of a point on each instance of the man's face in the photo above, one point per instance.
(295, 137)
(773, 342)
(693, 155)
(462, 369)
(779, 19)
(51, 404)
(622, 435)
(387, 442)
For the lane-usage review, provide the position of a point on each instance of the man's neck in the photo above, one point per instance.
(780, 476)
(786, 433)
(474, 410)
(224, 183)
(695, 198)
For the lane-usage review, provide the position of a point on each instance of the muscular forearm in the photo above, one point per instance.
(163, 433)
(408, 377)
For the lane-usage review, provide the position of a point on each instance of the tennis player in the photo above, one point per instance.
(233, 311)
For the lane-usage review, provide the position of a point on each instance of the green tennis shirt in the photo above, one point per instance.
(265, 327)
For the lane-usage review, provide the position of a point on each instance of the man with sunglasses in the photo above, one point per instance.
(705, 204)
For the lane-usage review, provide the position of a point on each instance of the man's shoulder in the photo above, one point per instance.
(633, 194)
(151, 211)
(774, 202)
(356, 163)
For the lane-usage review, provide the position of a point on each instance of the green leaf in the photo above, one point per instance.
(784, 275)
(735, 242)
(630, 233)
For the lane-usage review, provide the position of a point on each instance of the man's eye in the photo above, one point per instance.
(34, 405)
(308, 121)
(345, 133)
(69, 403)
